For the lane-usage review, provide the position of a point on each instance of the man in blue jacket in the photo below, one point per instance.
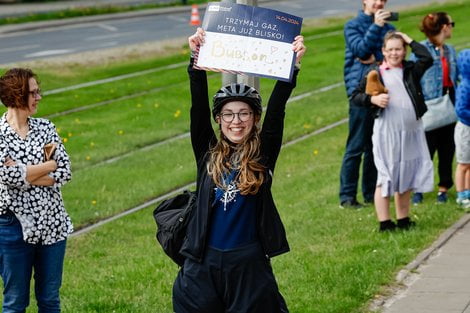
(364, 37)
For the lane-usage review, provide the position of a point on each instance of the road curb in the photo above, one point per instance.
(13, 28)
(425, 254)
(408, 273)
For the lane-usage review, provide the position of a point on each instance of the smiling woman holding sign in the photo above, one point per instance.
(235, 228)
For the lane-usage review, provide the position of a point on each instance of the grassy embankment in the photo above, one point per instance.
(338, 260)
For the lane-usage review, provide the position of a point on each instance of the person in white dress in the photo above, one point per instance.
(399, 144)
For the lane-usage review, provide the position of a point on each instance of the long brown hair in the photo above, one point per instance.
(243, 157)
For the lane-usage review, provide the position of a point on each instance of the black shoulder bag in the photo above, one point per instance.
(172, 216)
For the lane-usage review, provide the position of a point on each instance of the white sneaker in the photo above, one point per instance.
(463, 203)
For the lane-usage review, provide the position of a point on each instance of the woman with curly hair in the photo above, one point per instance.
(33, 223)
(235, 228)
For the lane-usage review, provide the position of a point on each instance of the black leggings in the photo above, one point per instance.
(236, 281)
(442, 141)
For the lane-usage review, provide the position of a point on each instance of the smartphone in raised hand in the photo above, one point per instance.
(393, 17)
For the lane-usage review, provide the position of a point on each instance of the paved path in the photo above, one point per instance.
(438, 281)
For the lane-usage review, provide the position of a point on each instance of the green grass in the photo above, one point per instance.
(108, 190)
(338, 260)
(337, 263)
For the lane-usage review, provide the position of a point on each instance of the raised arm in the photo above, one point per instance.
(273, 125)
(202, 133)
(421, 56)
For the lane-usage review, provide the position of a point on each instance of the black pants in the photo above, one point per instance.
(442, 141)
(239, 280)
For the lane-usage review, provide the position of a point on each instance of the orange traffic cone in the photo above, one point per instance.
(195, 21)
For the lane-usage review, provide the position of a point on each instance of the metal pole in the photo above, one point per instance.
(232, 78)
(226, 77)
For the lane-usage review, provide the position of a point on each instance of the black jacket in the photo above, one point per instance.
(412, 73)
(271, 232)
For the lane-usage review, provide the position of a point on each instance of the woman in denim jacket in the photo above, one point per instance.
(438, 80)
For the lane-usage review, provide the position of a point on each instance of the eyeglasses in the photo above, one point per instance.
(452, 24)
(242, 116)
(35, 93)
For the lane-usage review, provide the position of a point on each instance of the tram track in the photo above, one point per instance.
(168, 194)
(169, 140)
(153, 201)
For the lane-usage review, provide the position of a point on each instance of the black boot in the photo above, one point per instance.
(405, 223)
(387, 225)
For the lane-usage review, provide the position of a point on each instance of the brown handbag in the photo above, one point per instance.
(49, 150)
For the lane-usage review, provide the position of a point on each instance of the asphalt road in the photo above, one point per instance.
(54, 41)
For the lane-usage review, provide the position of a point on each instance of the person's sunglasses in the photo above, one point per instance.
(452, 24)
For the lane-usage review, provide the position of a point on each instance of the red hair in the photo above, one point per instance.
(432, 24)
(14, 87)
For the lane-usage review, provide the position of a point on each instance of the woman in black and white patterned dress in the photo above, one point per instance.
(33, 222)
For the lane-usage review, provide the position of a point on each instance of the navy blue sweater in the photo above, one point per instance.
(363, 38)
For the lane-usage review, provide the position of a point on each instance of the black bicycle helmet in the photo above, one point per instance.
(237, 92)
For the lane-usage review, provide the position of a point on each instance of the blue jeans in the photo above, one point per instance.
(17, 261)
(361, 123)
